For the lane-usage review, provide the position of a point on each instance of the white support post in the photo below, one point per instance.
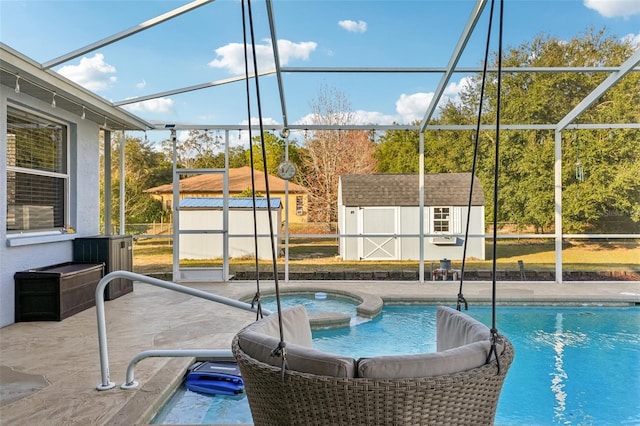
(421, 204)
(107, 181)
(175, 207)
(225, 210)
(558, 204)
(121, 223)
(286, 216)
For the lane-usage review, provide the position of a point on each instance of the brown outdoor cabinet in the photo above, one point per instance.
(115, 251)
(53, 293)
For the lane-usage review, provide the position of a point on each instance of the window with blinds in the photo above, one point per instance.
(37, 172)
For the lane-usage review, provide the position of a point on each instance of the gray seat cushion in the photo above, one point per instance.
(463, 343)
(260, 338)
(295, 326)
(455, 329)
(424, 365)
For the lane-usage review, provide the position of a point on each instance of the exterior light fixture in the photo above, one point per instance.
(17, 83)
(84, 113)
(53, 100)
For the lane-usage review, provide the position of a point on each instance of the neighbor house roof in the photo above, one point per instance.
(234, 203)
(441, 189)
(239, 180)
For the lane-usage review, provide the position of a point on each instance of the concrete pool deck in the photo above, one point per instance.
(49, 370)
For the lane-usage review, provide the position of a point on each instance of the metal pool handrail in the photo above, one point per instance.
(131, 383)
(102, 327)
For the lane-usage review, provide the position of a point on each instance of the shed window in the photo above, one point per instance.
(441, 219)
(299, 205)
(37, 172)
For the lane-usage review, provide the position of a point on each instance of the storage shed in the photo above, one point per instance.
(389, 205)
(203, 221)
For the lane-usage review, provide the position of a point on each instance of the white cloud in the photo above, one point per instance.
(373, 117)
(182, 135)
(633, 39)
(359, 117)
(353, 26)
(141, 85)
(453, 89)
(409, 107)
(231, 56)
(307, 119)
(614, 8)
(159, 105)
(91, 73)
(412, 107)
(267, 121)
(243, 138)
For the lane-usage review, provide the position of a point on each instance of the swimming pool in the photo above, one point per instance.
(573, 365)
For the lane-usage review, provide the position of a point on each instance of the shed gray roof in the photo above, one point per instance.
(234, 203)
(441, 189)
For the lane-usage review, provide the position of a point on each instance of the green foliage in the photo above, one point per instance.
(275, 153)
(248, 193)
(608, 200)
(144, 168)
(397, 152)
(200, 149)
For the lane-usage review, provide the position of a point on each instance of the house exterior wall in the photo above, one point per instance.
(210, 246)
(18, 253)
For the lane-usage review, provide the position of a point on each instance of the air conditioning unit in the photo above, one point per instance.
(443, 240)
(34, 217)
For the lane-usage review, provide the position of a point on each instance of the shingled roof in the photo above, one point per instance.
(239, 180)
(441, 189)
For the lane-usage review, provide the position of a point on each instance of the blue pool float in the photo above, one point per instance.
(216, 378)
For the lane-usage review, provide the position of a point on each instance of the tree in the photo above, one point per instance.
(275, 153)
(397, 152)
(329, 153)
(608, 199)
(200, 150)
(611, 159)
(144, 168)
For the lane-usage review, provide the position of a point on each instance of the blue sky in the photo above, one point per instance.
(205, 45)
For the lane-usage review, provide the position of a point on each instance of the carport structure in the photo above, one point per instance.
(35, 83)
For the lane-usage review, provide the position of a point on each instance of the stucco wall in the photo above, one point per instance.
(83, 198)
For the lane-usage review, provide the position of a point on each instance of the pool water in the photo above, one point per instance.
(573, 365)
(323, 302)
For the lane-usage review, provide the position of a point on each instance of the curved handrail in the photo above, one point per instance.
(100, 311)
(131, 383)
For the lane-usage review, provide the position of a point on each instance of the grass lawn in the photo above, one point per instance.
(155, 255)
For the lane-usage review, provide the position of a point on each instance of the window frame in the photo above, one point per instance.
(436, 220)
(26, 113)
(299, 205)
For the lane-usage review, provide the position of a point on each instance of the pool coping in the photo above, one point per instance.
(370, 305)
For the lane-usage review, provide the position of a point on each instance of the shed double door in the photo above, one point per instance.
(378, 220)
